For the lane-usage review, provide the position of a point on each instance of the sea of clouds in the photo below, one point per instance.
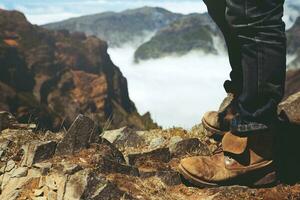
(176, 90)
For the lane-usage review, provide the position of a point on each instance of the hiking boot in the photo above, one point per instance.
(218, 122)
(244, 161)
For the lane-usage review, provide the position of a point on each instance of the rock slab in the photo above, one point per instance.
(81, 134)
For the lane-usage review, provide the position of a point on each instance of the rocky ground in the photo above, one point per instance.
(86, 163)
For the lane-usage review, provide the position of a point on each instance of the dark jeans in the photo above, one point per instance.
(255, 37)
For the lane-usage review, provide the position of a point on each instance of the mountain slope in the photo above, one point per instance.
(119, 28)
(293, 36)
(192, 32)
(50, 77)
(292, 82)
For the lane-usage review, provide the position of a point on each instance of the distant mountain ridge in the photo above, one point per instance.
(191, 32)
(119, 28)
(172, 33)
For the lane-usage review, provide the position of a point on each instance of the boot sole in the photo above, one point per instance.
(255, 179)
(211, 131)
(194, 180)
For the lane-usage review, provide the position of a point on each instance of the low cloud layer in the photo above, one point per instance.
(176, 90)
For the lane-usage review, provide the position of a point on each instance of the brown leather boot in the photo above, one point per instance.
(218, 122)
(245, 161)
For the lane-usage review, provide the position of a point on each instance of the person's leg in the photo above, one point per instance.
(216, 123)
(216, 9)
(261, 34)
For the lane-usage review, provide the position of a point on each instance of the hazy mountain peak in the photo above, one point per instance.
(146, 9)
(120, 28)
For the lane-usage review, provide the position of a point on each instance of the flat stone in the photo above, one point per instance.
(37, 152)
(110, 166)
(52, 195)
(290, 109)
(39, 198)
(175, 139)
(114, 135)
(6, 119)
(189, 146)
(109, 151)
(20, 172)
(3, 147)
(69, 168)
(13, 185)
(11, 195)
(157, 142)
(9, 165)
(97, 187)
(81, 134)
(44, 167)
(38, 192)
(162, 155)
(2, 169)
(34, 172)
(52, 182)
(123, 138)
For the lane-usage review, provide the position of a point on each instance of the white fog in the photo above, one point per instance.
(176, 90)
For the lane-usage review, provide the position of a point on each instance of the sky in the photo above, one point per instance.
(41, 12)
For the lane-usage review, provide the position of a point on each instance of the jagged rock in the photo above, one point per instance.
(124, 137)
(12, 195)
(6, 119)
(162, 155)
(43, 167)
(55, 182)
(110, 166)
(38, 192)
(51, 195)
(157, 142)
(111, 152)
(81, 134)
(174, 140)
(290, 109)
(10, 165)
(3, 147)
(114, 135)
(20, 172)
(92, 186)
(162, 171)
(37, 151)
(69, 168)
(39, 198)
(12, 188)
(189, 146)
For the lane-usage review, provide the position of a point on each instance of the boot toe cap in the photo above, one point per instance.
(195, 166)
